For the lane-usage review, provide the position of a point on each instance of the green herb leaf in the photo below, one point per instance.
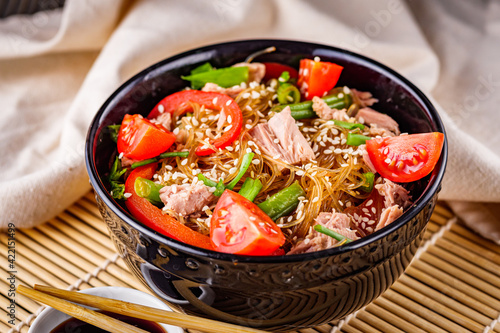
(113, 132)
(223, 77)
(206, 67)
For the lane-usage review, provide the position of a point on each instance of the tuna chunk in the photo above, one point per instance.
(325, 112)
(256, 70)
(316, 241)
(231, 92)
(186, 199)
(365, 98)
(393, 194)
(282, 139)
(388, 216)
(372, 117)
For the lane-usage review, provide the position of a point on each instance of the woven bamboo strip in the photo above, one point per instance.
(376, 322)
(82, 212)
(3, 326)
(448, 307)
(497, 326)
(85, 239)
(4, 303)
(98, 237)
(442, 210)
(362, 326)
(64, 275)
(441, 220)
(323, 328)
(468, 255)
(448, 289)
(433, 227)
(46, 253)
(25, 274)
(58, 243)
(27, 304)
(457, 284)
(473, 269)
(422, 317)
(20, 312)
(40, 272)
(461, 274)
(350, 329)
(429, 303)
(104, 276)
(427, 235)
(392, 318)
(474, 243)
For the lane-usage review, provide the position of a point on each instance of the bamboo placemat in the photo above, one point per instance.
(452, 285)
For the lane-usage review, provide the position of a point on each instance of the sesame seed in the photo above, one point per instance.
(300, 173)
(233, 170)
(316, 199)
(327, 151)
(120, 156)
(248, 108)
(229, 148)
(255, 95)
(194, 121)
(229, 119)
(228, 103)
(184, 162)
(214, 101)
(248, 126)
(228, 128)
(127, 195)
(248, 150)
(246, 95)
(369, 203)
(316, 59)
(161, 108)
(260, 114)
(212, 189)
(374, 211)
(256, 161)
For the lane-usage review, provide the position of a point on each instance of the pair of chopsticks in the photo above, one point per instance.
(61, 300)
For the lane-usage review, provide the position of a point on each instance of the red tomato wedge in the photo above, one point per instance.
(179, 102)
(317, 77)
(238, 226)
(140, 139)
(153, 217)
(274, 70)
(405, 158)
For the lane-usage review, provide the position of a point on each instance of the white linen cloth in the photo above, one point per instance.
(58, 67)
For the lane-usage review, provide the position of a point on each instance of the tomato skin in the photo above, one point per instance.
(179, 102)
(317, 77)
(274, 70)
(140, 139)
(405, 158)
(238, 226)
(153, 217)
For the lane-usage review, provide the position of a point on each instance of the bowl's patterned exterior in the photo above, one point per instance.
(272, 293)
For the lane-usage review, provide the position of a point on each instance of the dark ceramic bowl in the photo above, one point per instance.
(271, 293)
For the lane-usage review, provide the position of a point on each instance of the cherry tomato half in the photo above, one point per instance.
(140, 139)
(405, 158)
(238, 226)
(317, 77)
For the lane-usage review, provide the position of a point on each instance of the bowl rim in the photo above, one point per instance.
(432, 188)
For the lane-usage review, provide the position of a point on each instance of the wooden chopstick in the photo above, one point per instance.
(146, 312)
(92, 317)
